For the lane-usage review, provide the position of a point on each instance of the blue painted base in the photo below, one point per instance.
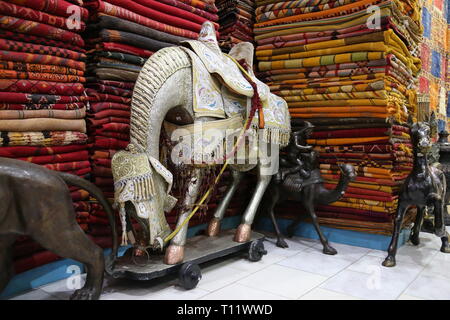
(58, 270)
(354, 238)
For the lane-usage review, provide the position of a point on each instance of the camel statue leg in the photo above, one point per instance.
(175, 251)
(270, 205)
(414, 237)
(392, 251)
(265, 172)
(214, 224)
(439, 225)
(308, 202)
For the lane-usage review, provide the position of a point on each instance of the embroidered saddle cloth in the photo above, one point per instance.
(220, 90)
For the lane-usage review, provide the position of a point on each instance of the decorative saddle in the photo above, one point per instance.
(220, 89)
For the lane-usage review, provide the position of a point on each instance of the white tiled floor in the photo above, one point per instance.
(300, 272)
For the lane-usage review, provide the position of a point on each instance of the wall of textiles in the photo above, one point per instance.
(434, 52)
(355, 79)
(65, 91)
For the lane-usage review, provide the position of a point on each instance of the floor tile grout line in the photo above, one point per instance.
(418, 275)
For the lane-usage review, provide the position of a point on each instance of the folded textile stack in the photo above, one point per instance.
(350, 68)
(43, 104)
(236, 22)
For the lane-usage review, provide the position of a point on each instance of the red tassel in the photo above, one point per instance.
(256, 100)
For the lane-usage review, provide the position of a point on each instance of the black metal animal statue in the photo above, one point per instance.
(310, 191)
(425, 186)
(36, 202)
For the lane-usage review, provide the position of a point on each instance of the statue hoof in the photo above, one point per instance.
(329, 250)
(85, 294)
(243, 233)
(389, 262)
(445, 249)
(281, 243)
(213, 227)
(414, 240)
(174, 254)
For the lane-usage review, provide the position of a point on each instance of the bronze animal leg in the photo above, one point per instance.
(214, 224)
(414, 237)
(308, 202)
(6, 263)
(392, 251)
(243, 232)
(439, 225)
(175, 251)
(274, 196)
(65, 238)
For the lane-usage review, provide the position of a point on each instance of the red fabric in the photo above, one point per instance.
(119, 84)
(205, 5)
(110, 143)
(102, 242)
(208, 15)
(12, 74)
(124, 48)
(34, 261)
(99, 6)
(39, 41)
(34, 106)
(116, 127)
(58, 158)
(41, 59)
(13, 10)
(350, 133)
(102, 171)
(56, 7)
(12, 45)
(82, 206)
(110, 90)
(26, 248)
(112, 113)
(360, 190)
(40, 30)
(110, 134)
(99, 106)
(79, 195)
(103, 154)
(13, 152)
(103, 162)
(174, 11)
(349, 216)
(100, 122)
(39, 68)
(143, 8)
(19, 97)
(352, 211)
(70, 166)
(42, 87)
(101, 97)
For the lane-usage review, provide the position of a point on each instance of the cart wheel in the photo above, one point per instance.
(256, 250)
(189, 275)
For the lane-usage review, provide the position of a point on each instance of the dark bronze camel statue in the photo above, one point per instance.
(425, 186)
(36, 202)
(308, 191)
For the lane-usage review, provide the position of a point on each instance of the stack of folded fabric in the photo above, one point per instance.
(43, 104)
(351, 68)
(121, 35)
(236, 22)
